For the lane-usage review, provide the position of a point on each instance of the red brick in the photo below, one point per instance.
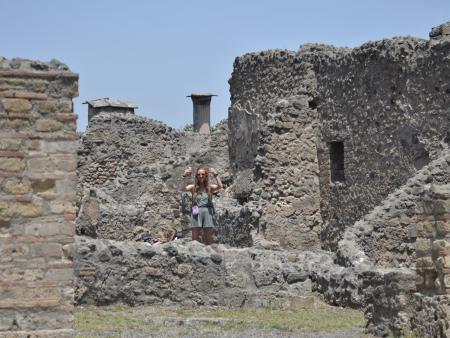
(61, 265)
(425, 234)
(23, 95)
(12, 153)
(28, 304)
(38, 74)
(9, 174)
(66, 117)
(25, 199)
(443, 217)
(87, 272)
(14, 116)
(424, 218)
(70, 217)
(425, 270)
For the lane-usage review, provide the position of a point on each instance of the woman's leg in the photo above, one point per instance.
(196, 234)
(208, 235)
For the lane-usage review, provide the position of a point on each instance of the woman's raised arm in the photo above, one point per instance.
(218, 180)
(184, 186)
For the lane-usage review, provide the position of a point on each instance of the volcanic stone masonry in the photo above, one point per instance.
(354, 124)
(38, 144)
(328, 148)
(336, 149)
(130, 171)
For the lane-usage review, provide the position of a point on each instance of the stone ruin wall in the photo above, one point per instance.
(273, 126)
(130, 171)
(387, 101)
(275, 95)
(38, 143)
(387, 235)
(402, 243)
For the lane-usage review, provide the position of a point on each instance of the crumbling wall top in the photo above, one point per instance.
(440, 32)
(25, 68)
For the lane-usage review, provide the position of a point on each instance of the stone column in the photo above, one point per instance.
(202, 112)
(38, 144)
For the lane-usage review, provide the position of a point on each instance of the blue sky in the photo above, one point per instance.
(154, 53)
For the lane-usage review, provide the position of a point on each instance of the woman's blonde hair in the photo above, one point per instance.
(197, 185)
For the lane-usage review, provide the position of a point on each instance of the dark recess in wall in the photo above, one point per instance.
(337, 169)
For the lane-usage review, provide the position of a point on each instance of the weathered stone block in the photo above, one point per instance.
(22, 275)
(39, 85)
(443, 228)
(424, 262)
(60, 275)
(443, 262)
(6, 144)
(4, 223)
(447, 281)
(65, 106)
(16, 187)
(66, 189)
(47, 106)
(426, 230)
(42, 185)
(48, 125)
(65, 163)
(27, 209)
(40, 165)
(21, 294)
(441, 247)
(12, 164)
(69, 250)
(11, 209)
(46, 250)
(16, 105)
(53, 147)
(33, 144)
(66, 228)
(423, 247)
(62, 207)
(420, 280)
(42, 229)
(430, 280)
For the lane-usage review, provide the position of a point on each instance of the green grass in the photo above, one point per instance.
(327, 319)
(94, 321)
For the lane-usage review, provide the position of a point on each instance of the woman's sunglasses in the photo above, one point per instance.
(198, 175)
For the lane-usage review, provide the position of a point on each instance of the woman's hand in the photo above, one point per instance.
(213, 171)
(218, 186)
(188, 171)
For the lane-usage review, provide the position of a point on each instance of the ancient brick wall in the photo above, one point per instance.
(38, 144)
(433, 244)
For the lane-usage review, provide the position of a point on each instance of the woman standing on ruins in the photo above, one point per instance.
(202, 207)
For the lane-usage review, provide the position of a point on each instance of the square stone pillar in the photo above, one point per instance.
(38, 144)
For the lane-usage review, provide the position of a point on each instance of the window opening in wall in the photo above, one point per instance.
(337, 169)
